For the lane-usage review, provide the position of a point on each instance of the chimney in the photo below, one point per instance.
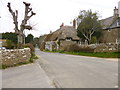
(50, 31)
(115, 12)
(74, 23)
(62, 25)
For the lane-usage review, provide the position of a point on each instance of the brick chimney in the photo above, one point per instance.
(74, 23)
(116, 12)
(62, 25)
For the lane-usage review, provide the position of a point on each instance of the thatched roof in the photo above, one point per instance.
(63, 33)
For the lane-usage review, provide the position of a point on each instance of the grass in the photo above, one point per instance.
(33, 57)
(100, 54)
(19, 64)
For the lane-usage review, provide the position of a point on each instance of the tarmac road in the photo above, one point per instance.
(71, 71)
(25, 76)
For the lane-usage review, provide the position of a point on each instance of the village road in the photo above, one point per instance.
(25, 76)
(71, 71)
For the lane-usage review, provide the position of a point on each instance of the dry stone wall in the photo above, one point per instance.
(11, 57)
(105, 47)
(65, 44)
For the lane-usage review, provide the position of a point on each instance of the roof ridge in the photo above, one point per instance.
(107, 18)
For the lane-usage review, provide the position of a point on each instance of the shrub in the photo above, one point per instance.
(72, 48)
(76, 48)
(86, 49)
(9, 44)
(94, 40)
(61, 51)
(33, 57)
(32, 48)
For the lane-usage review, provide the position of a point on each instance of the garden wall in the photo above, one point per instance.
(65, 44)
(93, 48)
(11, 57)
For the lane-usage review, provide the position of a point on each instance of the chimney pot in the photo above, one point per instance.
(116, 12)
(62, 25)
(74, 23)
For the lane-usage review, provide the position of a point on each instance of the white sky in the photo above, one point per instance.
(51, 13)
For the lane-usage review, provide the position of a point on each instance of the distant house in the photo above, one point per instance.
(3, 42)
(61, 38)
(42, 42)
(111, 31)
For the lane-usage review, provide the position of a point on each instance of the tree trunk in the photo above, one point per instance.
(20, 41)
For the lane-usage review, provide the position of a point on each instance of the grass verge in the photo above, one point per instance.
(100, 54)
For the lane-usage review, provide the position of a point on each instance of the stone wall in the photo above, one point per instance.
(11, 57)
(110, 36)
(105, 47)
(64, 44)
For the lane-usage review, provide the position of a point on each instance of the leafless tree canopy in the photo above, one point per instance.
(28, 14)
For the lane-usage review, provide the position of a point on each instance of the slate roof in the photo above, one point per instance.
(63, 33)
(109, 22)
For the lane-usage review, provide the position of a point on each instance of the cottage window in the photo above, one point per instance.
(118, 41)
(68, 39)
(109, 30)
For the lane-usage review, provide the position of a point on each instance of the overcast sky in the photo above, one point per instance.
(51, 13)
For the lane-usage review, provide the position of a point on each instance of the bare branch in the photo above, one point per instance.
(26, 17)
(17, 13)
(29, 9)
(10, 10)
(15, 16)
(26, 4)
(28, 27)
(32, 13)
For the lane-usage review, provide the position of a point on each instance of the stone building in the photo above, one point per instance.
(111, 32)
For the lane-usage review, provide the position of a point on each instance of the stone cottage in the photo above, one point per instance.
(111, 30)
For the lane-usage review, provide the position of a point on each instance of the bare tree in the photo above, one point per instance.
(23, 24)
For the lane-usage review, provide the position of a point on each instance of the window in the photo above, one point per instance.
(68, 39)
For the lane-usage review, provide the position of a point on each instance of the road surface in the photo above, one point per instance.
(26, 76)
(71, 71)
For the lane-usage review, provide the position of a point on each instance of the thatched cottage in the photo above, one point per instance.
(61, 38)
